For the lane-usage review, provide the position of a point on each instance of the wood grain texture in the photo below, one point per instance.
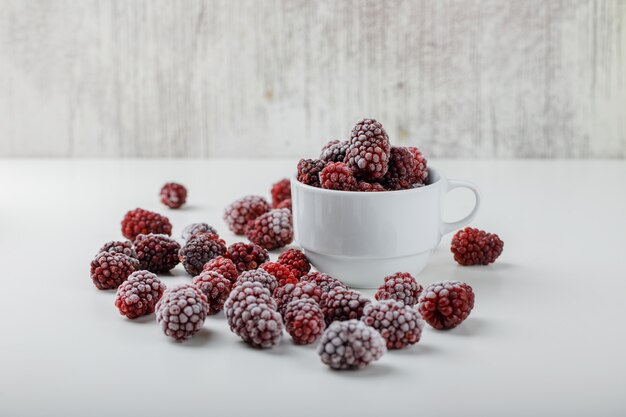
(471, 78)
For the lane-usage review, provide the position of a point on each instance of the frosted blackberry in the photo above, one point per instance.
(370, 187)
(240, 212)
(108, 270)
(271, 230)
(258, 275)
(195, 228)
(296, 261)
(115, 246)
(247, 256)
(338, 176)
(283, 274)
(258, 325)
(200, 249)
(476, 247)
(446, 304)
(308, 171)
(142, 222)
(216, 289)
(173, 195)
(181, 312)
(244, 294)
(285, 204)
(223, 266)
(400, 286)
(304, 321)
(323, 281)
(340, 304)
(300, 291)
(334, 151)
(401, 172)
(350, 345)
(281, 191)
(138, 295)
(157, 253)
(421, 165)
(400, 325)
(368, 151)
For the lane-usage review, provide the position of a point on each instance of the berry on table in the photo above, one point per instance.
(350, 345)
(258, 275)
(399, 324)
(157, 253)
(401, 172)
(109, 269)
(240, 212)
(337, 176)
(285, 204)
(421, 168)
(139, 294)
(243, 295)
(281, 191)
(300, 291)
(308, 171)
(370, 187)
(181, 312)
(258, 325)
(195, 228)
(368, 151)
(200, 249)
(115, 246)
(342, 304)
(246, 256)
(271, 230)
(400, 286)
(296, 261)
(223, 266)
(215, 287)
(304, 321)
(334, 151)
(173, 195)
(142, 222)
(323, 281)
(446, 304)
(283, 274)
(476, 247)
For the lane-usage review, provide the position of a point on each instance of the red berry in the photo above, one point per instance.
(342, 304)
(181, 312)
(243, 294)
(258, 325)
(281, 191)
(476, 247)
(138, 295)
(157, 253)
(271, 230)
(370, 187)
(444, 305)
(200, 249)
(195, 228)
(246, 256)
(215, 287)
(304, 321)
(240, 212)
(124, 247)
(338, 176)
(400, 286)
(290, 292)
(421, 168)
(142, 222)
(334, 151)
(258, 275)
(296, 260)
(368, 151)
(308, 171)
(283, 274)
(109, 270)
(399, 324)
(222, 266)
(401, 172)
(323, 281)
(350, 345)
(285, 204)
(173, 195)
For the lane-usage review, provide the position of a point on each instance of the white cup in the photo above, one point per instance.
(360, 237)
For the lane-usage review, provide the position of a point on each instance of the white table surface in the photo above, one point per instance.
(546, 337)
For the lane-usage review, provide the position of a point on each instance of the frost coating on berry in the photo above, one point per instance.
(258, 275)
(181, 312)
(304, 321)
(243, 295)
(284, 275)
(258, 325)
(285, 204)
(350, 345)
(323, 281)
(195, 228)
(215, 287)
(157, 253)
(296, 261)
(401, 172)
(173, 195)
(476, 247)
(281, 191)
(370, 187)
(338, 176)
(308, 171)
(200, 249)
(446, 304)
(109, 269)
(271, 230)
(222, 266)
(247, 256)
(115, 246)
(400, 286)
(334, 151)
(142, 222)
(300, 291)
(138, 295)
(400, 325)
(421, 165)
(240, 212)
(340, 304)
(368, 152)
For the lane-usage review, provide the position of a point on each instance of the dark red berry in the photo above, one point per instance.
(334, 151)
(399, 324)
(290, 292)
(247, 256)
(421, 168)
(400, 286)
(124, 247)
(173, 195)
(215, 287)
(142, 222)
(157, 253)
(244, 294)
(258, 275)
(284, 275)
(271, 230)
(342, 304)
(281, 191)
(181, 312)
(240, 212)
(444, 305)
(222, 266)
(338, 176)
(350, 345)
(401, 172)
(304, 321)
(296, 261)
(476, 247)
(370, 187)
(285, 204)
(308, 171)
(258, 325)
(368, 151)
(110, 269)
(138, 295)
(323, 281)
(200, 249)
(195, 228)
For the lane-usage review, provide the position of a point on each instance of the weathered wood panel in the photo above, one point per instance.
(533, 78)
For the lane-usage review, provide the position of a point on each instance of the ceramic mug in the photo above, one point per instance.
(362, 237)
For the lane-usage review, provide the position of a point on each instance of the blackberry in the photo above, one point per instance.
(476, 247)
(399, 324)
(368, 150)
(334, 151)
(258, 325)
(296, 261)
(285, 204)
(157, 253)
(281, 191)
(173, 195)
(338, 176)
(215, 287)
(116, 246)
(142, 222)
(138, 295)
(323, 281)
(243, 295)
(308, 171)
(300, 291)
(284, 275)
(223, 266)
(446, 304)
(195, 228)
(240, 212)
(181, 312)
(200, 249)
(400, 286)
(109, 270)
(246, 256)
(304, 321)
(342, 304)
(350, 345)
(258, 275)
(401, 172)
(271, 230)
(370, 187)
(421, 166)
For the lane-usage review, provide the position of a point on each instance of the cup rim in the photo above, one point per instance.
(294, 180)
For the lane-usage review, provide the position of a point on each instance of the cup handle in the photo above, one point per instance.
(448, 227)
